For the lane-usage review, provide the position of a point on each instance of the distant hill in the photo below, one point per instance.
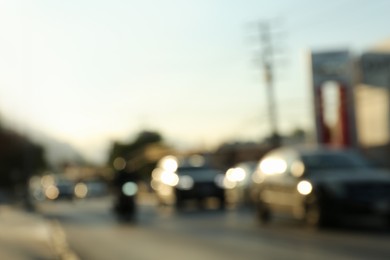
(56, 152)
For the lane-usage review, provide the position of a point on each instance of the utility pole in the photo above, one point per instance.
(267, 64)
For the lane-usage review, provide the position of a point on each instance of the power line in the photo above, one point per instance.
(267, 59)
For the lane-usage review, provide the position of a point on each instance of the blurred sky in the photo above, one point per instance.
(91, 71)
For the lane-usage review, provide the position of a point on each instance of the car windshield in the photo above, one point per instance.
(198, 173)
(333, 161)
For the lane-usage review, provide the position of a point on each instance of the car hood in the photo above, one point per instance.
(350, 176)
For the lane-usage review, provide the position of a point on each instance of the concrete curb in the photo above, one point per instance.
(59, 242)
(20, 228)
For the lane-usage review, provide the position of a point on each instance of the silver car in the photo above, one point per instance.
(321, 186)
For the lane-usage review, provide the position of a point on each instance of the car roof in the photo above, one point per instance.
(247, 164)
(303, 150)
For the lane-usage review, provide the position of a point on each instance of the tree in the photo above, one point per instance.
(19, 159)
(298, 133)
(135, 152)
(133, 149)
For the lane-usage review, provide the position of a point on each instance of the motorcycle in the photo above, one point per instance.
(125, 205)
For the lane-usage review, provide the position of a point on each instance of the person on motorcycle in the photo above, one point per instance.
(125, 187)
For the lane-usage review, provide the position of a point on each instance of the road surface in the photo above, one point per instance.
(93, 232)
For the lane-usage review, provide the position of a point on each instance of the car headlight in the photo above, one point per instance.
(129, 189)
(304, 187)
(169, 178)
(81, 190)
(185, 183)
(52, 192)
(236, 174)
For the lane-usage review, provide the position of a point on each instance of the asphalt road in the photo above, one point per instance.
(93, 232)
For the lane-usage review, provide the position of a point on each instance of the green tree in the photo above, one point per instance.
(135, 152)
(19, 159)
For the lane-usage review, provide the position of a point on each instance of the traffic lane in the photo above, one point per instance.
(105, 238)
(95, 234)
(210, 234)
(239, 228)
(236, 230)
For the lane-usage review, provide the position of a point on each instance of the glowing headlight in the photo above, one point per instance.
(304, 187)
(273, 166)
(47, 181)
(236, 174)
(169, 178)
(52, 192)
(81, 190)
(169, 163)
(228, 184)
(129, 188)
(185, 183)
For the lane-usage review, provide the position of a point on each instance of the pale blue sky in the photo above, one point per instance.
(88, 72)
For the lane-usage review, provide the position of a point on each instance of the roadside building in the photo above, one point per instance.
(372, 102)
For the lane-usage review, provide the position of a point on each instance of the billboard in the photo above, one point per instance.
(334, 66)
(331, 66)
(375, 69)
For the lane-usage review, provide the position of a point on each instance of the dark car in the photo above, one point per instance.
(57, 187)
(65, 189)
(322, 186)
(199, 183)
(177, 185)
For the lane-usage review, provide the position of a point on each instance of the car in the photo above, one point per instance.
(57, 187)
(240, 179)
(66, 189)
(322, 186)
(95, 188)
(177, 182)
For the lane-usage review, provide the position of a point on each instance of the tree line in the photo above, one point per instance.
(20, 158)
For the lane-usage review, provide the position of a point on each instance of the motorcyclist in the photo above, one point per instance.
(125, 184)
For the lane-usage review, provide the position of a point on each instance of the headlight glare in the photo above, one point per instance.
(304, 187)
(129, 188)
(185, 183)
